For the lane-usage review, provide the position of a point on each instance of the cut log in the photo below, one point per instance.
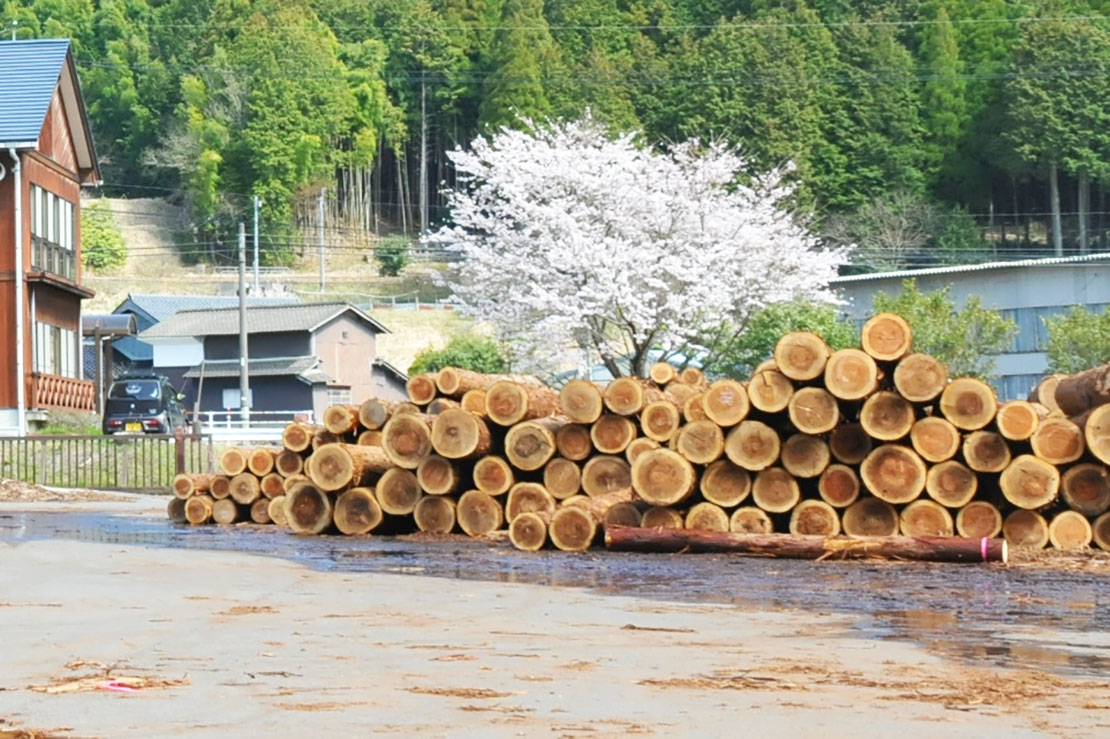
(369, 438)
(528, 532)
(886, 337)
(622, 514)
(662, 372)
(322, 436)
(926, 518)
(1070, 530)
(398, 492)
(421, 389)
(693, 409)
(529, 445)
(935, 439)
(1076, 394)
(435, 515)
(680, 392)
(437, 476)
(457, 434)
(272, 485)
(775, 490)
(1045, 392)
(707, 517)
(752, 445)
(260, 511)
(770, 391)
(341, 419)
(638, 446)
(726, 402)
(226, 512)
(439, 405)
(814, 518)
(407, 439)
(308, 510)
(1096, 431)
(573, 442)
(700, 442)
(244, 488)
(493, 476)
(528, 497)
(725, 484)
(986, 451)
(600, 505)
(474, 401)
(1017, 420)
(294, 480)
(572, 529)
(813, 410)
(339, 466)
(562, 478)
(1086, 489)
(1029, 482)
(968, 403)
(851, 374)
(357, 512)
(288, 463)
(661, 517)
(457, 382)
(261, 461)
(838, 485)
(187, 485)
(750, 520)
(508, 403)
(233, 461)
(662, 477)
(660, 420)
(850, 444)
(801, 355)
(1027, 529)
(581, 401)
(198, 509)
(611, 434)
(805, 456)
(887, 416)
(893, 473)
(373, 414)
(297, 437)
(405, 407)
(627, 396)
(920, 378)
(478, 514)
(276, 509)
(175, 510)
(979, 520)
(1058, 441)
(789, 546)
(870, 517)
(951, 484)
(1100, 531)
(692, 376)
(605, 474)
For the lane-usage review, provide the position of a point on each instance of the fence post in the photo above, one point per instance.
(179, 450)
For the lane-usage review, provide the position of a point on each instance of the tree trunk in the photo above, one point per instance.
(951, 484)
(775, 490)
(288, 463)
(226, 512)
(1058, 441)
(1017, 420)
(398, 492)
(260, 511)
(435, 515)
(407, 438)
(887, 416)
(338, 466)
(455, 382)
(706, 517)
(508, 403)
(276, 510)
(660, 420)
(357, 512)
(886, 337)
(187, 485)
(529, 445)
(725, 484)
(805, 456)
(1083, 200)
(752, 445)
(986, 451)
(233, 461)
(307, 510)
(627, 396)
(893, 473)
(474, 401)
(297, 437)
(870, 517)
(814, 518)
(1076, 394)
(373, 414)
(272, 485)
(493, 475)
(801, 355)
(1054, 202)
(662, 517)
(750, 520)
(611, 434)
(1025, 529)
(726, 403)
(574, 442)
(920, 378)
(662, 372)
(528, 497)
(1086, 489)
(261, 461)
(562, 478)
(935, 439)
(700, 442)
(244, 488)
(341, 419)
(849, 443)
(457, 434)
(175, 510)
(814, 410)
(437, 476)
(851, 374)
(1070, 530)
(968, 403)
(421, 389)
(926, 518)
(198, 509)
(770, 390)
(1029, 482)
(978, 520)
(605, 474)
(838, 485)
(478, 513)
(528, 531)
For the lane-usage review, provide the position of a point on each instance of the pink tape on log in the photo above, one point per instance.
(984, 544)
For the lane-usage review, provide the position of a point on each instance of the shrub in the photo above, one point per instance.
(101, 241)
(466, 351)
(392, 255)
(1078, 340)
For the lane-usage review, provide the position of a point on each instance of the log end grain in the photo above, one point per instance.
(805, 456)
(437, 475)
(700, 442)
(581, 401)
(421, 388)
(870, 517)
(726, 402)
(1058, 441)
(1025, 529)
(813, 410)
(839, 485)
(1017, 420)
(661, 517)
(753, 445)
(493, 475)
(920, 378)
(851, 374)
(926, 518)
(478, 513)
(1070, 530)
(770, 390)
(662, 477)
(562, 478)
(435, 515)
(968, 403)
(706, 517)
(750, 520)
(850, 444)
(935, 439)
(979, 519)
(814, 518)
(662, 372)
(660, 420)
(606, 474)
(528, 532)
(886, 337)
(1086, 488)
(398, 491)
(775, 490)
(1030, 483)
(457, 434)
(951, 484)
(725, 484)
(893, 473)
(528, 497)
(887, 416)
(986, 451)
(801, 355)
(308, 510)
(572, 529)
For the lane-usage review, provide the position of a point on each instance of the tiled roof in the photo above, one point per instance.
(303, 367)
(31, 70)
(266, 320)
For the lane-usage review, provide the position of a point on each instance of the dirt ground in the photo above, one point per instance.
(15, 491)
(107, 640)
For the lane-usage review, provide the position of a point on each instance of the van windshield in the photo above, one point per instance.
(135, 390)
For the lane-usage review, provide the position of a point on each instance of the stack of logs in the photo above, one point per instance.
(875, 441)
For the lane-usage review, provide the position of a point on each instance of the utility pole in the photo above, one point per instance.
(257, 204)
(244, 384)
(423, 156)
(320, 228)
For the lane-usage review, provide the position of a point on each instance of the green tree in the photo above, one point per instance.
(1078, 340)
(102, 245)
(944, 103)
(523, 49)
(392, 255)
(966, 340)
(465, 351)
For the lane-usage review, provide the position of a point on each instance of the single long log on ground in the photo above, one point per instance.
(437, 476)
(813, 410)
(887, 416)
(968, 403)
(373, 413)
(357, 512)
(951, 484)
(1078, 393)
(707, 517)
(850, 444)
(175, 510)
(508, 403)
(838, 485)
(979, 519)
(340, 466)
(308, 510)
(726, 402)
(926, 518)
(1017, 420)
(341, 419)
(886, 337)
(870, 517)
(662, 477)
(605, 474)
(611, 434)
(775, 490)
(233, 461)
(493, 475)
(1070, 530)
(421, 388)
(198, 509)
(660, 420)
(562, 478)
(893, 473)
(1025, 529)
(1096, 431)
(1086, 488)
(662, 517)
(725, 484)
(986, 451)
(435, 515)
(288, 463)
(627, 396)
(244, 488)
(272, 485)
(528, 497)
(276, 509)
(638, 446)
(1058, 441)
(297, 436)
(458, 434)
(928, 549)
(920, 378)
(1029, 482)
(187, 485)
(805, 456)
(662, 372)
(935, 439)
(407, 438)
(750, 520)
(814, 518)
(851, 374)
(457, 382)
(770, 390)
(700, 442)
(478, 514)
(226, 512)
(398, 492)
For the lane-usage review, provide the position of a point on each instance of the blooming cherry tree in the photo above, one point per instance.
(575, 239)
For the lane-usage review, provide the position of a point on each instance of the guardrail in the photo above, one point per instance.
(228, 425)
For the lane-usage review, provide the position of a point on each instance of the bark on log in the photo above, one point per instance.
(562, 478)
(814, 518)
(187, 485)
(573, 442)
(611, 434)
(244, 489)
(681, 392)
(692, 376)
(478, 514)
(528, 532)
(926, 518)
(662, 372)
(805, 456)
(261, 461)
(951, 484)
(726, 402)
(474, 401)
(801, 355)
(1078, 393)
(1017, 420)
(1045, 391)
(627, 396)
(435, 515)
(968, 403)
(662, 517)
(493, 475)
(1100, 531)
(693, 409)
(986, 451)
(887, 416)
(750, 520)
(373, 414)
(175, 510)
(1029, 482)
(660, 420)
(752, 445)
(457, 434)
(928, 549)
(775, 490)
(838, 485)
(1024, 528)
(297, 436)
(700, 442)
(1096, 432)
(1058, 441)
(638, 446)
(725, 484)
(226, 512)
(605, 474)
(850, 444)
(398, 492)
(272, 485)
(600, 505)
(813, 410)
(870, 517)
(572, 529)
(851, 374)
(233, 461)
(260, 511)
(886, 337)
(663, 477)
(979, 519)
(339, 466)
(622, 514)
(288, 463)
(508, 403)
(357, 512)
(407, 439)
(308, 510)
(421, 389)
(198, 509)
(528, 497)
(1070, 530)
(437, 476)
(341, 419)
(770, 391)
(935, 439)
(706, 516)
(276, 509)
(439, 405)
(293, 481)
(581, 401)
(456, 382)
(1086, 489)
(920, 378)
(893, 473)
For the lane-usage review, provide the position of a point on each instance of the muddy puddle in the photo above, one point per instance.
(986, 615)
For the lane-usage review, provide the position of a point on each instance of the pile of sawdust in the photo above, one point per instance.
(16, 491)
(1084, 560)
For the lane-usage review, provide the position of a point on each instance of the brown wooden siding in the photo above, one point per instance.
(56, 140)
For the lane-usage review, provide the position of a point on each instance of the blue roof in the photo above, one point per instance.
(29, 74)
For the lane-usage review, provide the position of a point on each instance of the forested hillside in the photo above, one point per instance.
(928, 132)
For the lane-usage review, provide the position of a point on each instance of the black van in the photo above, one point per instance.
(142, 404)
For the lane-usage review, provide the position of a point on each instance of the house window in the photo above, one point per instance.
(52, 229)
(54, 350)
(339, 396)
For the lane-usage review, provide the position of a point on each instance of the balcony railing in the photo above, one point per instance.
(50, 257)
(52, 391)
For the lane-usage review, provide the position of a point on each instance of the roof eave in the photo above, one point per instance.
(361, 314)
(94, 168)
